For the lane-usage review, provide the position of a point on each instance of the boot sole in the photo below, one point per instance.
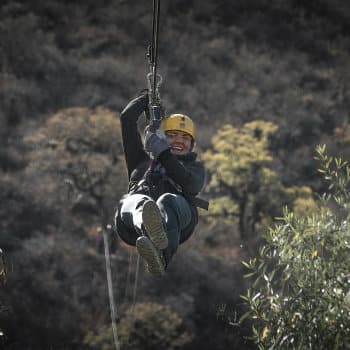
(149, 253)
(153, 223)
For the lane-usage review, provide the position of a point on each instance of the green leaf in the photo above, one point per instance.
(244, 317)
(249, 275)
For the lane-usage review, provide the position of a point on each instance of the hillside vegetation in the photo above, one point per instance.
(264, 81)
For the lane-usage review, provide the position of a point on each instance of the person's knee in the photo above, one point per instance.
(167, 199)
(124, 231)
(127, 219)
(176, 204)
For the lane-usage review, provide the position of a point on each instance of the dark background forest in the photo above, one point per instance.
(67, 70)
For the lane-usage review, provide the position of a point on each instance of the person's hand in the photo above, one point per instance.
(135, 107)
(155, 143)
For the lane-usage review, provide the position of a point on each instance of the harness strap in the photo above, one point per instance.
(196, 201)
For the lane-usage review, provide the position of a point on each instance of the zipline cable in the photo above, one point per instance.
(155, 35)
(154, 80)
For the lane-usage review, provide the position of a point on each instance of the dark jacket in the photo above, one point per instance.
(182, 174)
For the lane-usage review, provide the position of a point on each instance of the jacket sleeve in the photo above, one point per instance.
(191, 177)
(132, 143)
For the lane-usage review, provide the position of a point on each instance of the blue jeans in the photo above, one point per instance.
(175, 211)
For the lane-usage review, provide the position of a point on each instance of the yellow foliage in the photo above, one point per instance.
(223, 205)
(237, 151)
(267, 176)
(303, 203)
(264, 334)
(264, 128)
(304, 206)
(240, 167)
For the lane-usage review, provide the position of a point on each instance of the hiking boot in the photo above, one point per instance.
(151, 255)
(153, 224)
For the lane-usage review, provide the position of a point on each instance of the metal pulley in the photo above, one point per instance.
(154, 79)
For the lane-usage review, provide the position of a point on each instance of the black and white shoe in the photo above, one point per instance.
(151, 255)
(153, 224)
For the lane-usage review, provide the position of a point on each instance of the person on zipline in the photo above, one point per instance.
(159, 212)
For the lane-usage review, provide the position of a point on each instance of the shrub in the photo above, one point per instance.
(144, 326)
(300, 297)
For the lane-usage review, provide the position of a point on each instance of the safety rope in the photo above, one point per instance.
(136, 281)
(128, 277)
(110, 291)
(134, 299)
(112, 303)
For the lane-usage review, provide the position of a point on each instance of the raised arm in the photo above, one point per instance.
(132, 143)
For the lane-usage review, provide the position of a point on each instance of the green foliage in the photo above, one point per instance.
(300, 295)
(337, 173)
(146, 326)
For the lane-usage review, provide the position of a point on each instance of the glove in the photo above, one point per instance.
(135, 107)
(155, 143)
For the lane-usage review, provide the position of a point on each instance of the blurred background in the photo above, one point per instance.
(264, 81)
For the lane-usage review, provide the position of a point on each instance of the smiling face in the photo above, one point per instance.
(180, 143)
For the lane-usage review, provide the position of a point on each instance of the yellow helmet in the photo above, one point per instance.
(179, 122)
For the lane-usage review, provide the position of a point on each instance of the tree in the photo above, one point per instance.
(300, 295)
(77, 154)
(243, 181)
